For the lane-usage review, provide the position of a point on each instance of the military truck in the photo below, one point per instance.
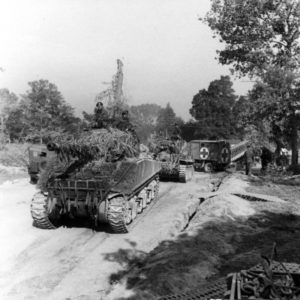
(209, 155)
(98, 178)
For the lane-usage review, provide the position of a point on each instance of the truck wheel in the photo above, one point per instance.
(208, 167)
(34, 179)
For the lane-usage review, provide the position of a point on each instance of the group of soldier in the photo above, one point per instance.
(266, 158)
(102, 119)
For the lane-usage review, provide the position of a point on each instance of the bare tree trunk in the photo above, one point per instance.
(294, 141)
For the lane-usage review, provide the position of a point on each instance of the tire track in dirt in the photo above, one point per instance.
(63, 261)
(65, 254)
(150, 208)
(57, 263)
(65, 258)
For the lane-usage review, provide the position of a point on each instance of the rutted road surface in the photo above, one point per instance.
(75, 263)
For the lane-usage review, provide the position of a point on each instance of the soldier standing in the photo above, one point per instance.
(266, 158)
(124, 124)
(248, 156)
(100, 116)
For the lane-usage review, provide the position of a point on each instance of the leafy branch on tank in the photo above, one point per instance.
(89, 149)
(103, 145)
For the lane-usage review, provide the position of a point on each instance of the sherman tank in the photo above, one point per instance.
(100, 177)
(176, 165)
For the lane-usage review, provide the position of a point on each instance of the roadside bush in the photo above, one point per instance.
(14, 155)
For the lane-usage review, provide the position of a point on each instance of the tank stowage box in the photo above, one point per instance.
(210, 155)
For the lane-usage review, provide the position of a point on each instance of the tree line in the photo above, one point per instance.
(42, 112)
(217, 113)
(261, 39)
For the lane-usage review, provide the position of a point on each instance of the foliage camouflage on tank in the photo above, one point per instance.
(175, 162)
(97, 175)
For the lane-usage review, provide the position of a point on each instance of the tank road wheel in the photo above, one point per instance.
(133, 207)
(149, 195)
(156, 190)
(208, 167)
(122, 212)
(151, 191)
(44, 212)
(182, 173)
(119, 214)
(127, 213)
(141, 201)
(144, 198)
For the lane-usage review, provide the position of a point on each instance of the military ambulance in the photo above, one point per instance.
(209, 155)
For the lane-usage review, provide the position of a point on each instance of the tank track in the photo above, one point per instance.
(116, 209)
(39, 212)
(182, 174)
(115, 215)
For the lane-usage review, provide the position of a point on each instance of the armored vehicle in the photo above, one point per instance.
(210, 155)
(176, 165)
(111, 188)
(38, 156)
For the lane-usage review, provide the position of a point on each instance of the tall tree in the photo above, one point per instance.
(277, 115)
(144, 117)
(188, 130)
(166, 120)
(251, 124)
(241, 111)
(46, 111)
(212, 108)
(262, 39)
(8, 102)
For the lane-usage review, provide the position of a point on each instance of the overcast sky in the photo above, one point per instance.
(168, 54)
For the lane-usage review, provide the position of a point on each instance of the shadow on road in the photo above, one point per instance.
(209, 253)
(84, 223)
(261, 179)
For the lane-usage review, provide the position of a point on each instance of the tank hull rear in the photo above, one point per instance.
(181, 172)
(91, 193)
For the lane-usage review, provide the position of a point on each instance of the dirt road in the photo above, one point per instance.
(75, 263)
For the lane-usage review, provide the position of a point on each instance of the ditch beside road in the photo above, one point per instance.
(177, 246)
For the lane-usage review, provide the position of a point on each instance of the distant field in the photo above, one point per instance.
(14, 155)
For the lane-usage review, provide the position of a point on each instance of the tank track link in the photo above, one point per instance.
(116, 212)
(182, 174)
(115, 215)
(39, 212)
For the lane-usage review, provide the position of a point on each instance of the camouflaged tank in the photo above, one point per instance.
(105, 191)
(176, 165)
